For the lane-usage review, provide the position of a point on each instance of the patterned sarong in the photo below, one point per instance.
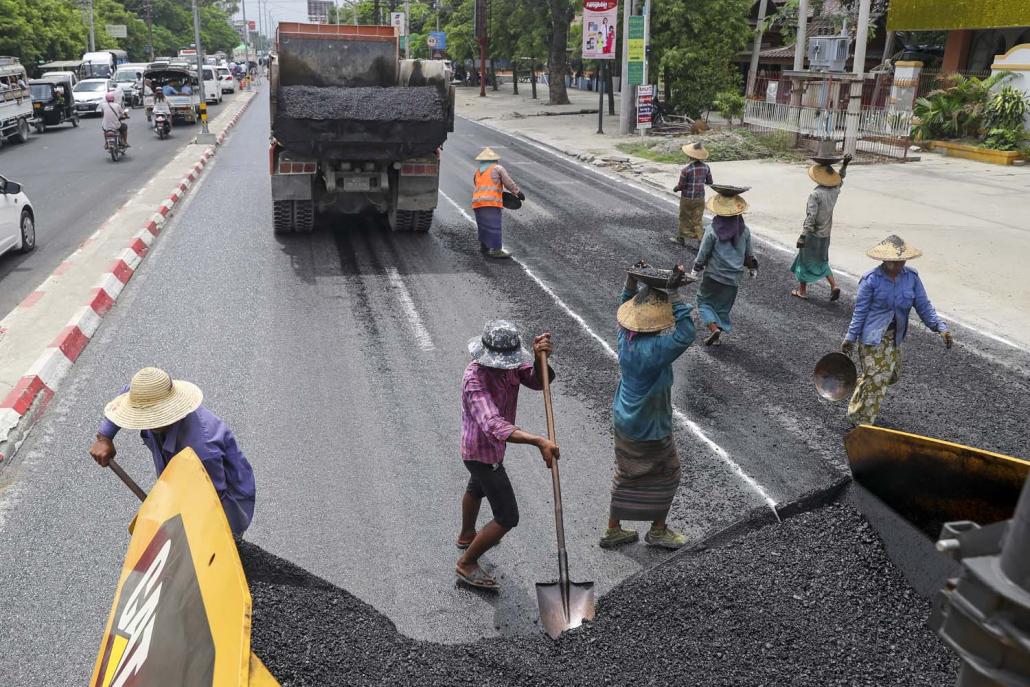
(692, 211)
(647, 474)
(881, 367)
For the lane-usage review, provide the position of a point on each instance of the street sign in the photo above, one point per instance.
(116, 30)
(599, 20)
(645, 105)
(397, 20)
(437, 40)
(635, 50)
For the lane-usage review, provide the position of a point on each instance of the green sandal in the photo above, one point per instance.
(616, 536)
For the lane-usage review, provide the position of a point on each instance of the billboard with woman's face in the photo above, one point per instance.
(599, 19)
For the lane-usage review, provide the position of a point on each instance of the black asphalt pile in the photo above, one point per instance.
(400, 103)
(813, 601)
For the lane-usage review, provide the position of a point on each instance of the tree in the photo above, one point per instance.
(693, 42)
(560, 13)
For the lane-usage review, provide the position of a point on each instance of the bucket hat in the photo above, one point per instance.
(488, 154)
(153, 400)
(695, 150)
(647, 312)
(499, 347)
(726, 206)
(893, 249)
(824, 175)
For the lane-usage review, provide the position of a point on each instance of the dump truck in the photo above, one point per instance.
(354, 127)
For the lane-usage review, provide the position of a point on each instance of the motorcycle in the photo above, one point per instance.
(113, 144)
(162, 124)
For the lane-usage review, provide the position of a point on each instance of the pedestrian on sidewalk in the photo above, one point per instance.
(170, 418)
(490, 182)
(813, 259)
(489, 396)
(655, 328)
(691, 187)
(724, 254)
(886, 296)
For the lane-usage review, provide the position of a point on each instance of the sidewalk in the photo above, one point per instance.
(970, 219)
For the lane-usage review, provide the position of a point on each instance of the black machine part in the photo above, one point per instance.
(984, 614)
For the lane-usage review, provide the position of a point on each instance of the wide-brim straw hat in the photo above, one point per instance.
(893, 249)
(153, 400)
(695, 150)
(824, 175)
(726, 206)
(647, 312)
(487, 155)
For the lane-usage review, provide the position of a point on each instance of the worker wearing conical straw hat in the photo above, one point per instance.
(691, 187)
(886, 296)
(170, 417)
(655, 328)
(813, 259)
(724, 253)
(490, 182)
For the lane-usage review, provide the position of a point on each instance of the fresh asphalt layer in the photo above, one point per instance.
(74, 187)
(337, 358)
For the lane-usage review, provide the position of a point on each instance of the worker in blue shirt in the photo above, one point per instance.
(170, 418)
(879, 324)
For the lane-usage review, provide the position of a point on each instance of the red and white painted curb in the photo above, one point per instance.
(30, 396)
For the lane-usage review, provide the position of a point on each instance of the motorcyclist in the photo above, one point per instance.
(113, 114)
(161, 107)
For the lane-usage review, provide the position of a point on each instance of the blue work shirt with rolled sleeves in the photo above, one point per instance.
(215, 445)
(882, 300)
(642, 408)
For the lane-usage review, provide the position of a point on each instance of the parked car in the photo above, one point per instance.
(17, 219)
(226, 79)
(90, 93)
(212, 86)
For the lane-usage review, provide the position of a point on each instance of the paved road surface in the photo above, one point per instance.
(337, 359)
(74, 187)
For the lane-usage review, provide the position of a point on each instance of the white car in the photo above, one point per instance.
(226, 79)
(17, 219)
(89, 94)
(212, 87)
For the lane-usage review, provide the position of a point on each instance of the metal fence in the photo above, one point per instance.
(881, 132)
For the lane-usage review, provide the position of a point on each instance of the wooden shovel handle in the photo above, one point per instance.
(129, 482)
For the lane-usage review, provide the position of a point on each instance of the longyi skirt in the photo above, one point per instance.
(489, 222)
(714, 302)
(813, 260)
(647, 474)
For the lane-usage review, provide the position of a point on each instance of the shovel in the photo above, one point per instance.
(563, 604)
(131, 484)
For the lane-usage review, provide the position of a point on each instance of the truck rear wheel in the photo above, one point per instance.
(423, 220)
(22, 134)
(293, 216)
(303, 216)
(282, 216)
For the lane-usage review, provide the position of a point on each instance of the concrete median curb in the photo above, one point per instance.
(30, 394)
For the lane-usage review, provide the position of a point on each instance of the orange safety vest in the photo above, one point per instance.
(487, 193)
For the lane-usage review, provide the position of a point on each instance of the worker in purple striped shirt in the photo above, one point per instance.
(489, 395)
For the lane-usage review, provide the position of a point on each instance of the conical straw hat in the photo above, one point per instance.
(695, 150)
(488, 154)
(153, 400)
(824, 175)
(726, 206)
(649, 311)
(893, 249)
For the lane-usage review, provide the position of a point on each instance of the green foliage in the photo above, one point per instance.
(725, 145)
(693, 43)
(1007, 109)
(1005, 138)
(730, 104)
(957, 111)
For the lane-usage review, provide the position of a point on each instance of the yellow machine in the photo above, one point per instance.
(182, 609)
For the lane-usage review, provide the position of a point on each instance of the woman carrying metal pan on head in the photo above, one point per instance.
(886, 296)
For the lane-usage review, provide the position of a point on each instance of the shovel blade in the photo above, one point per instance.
(553, 613)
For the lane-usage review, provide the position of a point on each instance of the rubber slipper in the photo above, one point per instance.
(797, 294)
(478, 578)
(835, 294)
(713, 338)
(463, 544)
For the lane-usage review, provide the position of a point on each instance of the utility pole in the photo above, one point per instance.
(92, 32)
(752, 72)
(150, 28)
(800, 45)
(205, 137)
(626, 97)
(246, 33)
(855, 100)
(407, 29)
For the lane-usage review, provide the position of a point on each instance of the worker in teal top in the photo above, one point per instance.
(655, 329)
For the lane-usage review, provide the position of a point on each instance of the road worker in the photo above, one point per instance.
(491, 180)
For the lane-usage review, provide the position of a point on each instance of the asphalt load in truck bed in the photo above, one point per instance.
(364, 104)
(812, 601)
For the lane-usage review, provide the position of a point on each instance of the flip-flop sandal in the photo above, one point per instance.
(797, 294)
(463, 544)
(713, 338)
(835, 294)
(479, 579)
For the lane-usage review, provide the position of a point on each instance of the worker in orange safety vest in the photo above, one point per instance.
(487, 201)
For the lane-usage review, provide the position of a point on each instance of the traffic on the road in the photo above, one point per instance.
(411, 399)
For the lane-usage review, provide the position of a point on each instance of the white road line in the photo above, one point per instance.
(770, 243)
(425, 341)
(677, 413)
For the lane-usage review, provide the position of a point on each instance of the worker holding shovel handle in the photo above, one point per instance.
(490, 388)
